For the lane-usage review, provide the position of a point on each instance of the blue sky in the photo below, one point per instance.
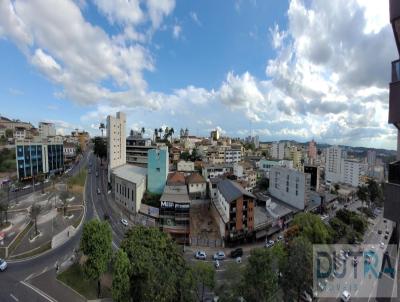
(278, 69)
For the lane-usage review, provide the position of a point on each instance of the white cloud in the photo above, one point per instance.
(121, 11)
(195, 18)
(176, 31)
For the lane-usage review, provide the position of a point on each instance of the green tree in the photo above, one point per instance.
(100, 148)
(158, 270)
(229, 290)
(362, 194)
(204, 276)
(9, 133)
(185, 155)
(312, 228)
(297, 275)
(96, 246)
(34, 214)
(102, 127)
(121, 278)
(375, 193)
(260, 277)
(339, 227)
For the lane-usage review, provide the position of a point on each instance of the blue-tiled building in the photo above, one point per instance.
(157, 170)
(38, 158)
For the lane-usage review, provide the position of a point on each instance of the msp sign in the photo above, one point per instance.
(362, 271)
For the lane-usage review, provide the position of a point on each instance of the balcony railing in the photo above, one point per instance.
(394, 172)
(394, 104)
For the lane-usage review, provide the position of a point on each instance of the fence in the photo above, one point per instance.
(195, 241)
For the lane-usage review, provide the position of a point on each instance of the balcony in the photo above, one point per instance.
(394, 172)
(394, 96)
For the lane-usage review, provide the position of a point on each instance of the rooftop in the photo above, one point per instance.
(195, 178)
(177, 193)
(130, 173)
(176, 178)
(232, 190)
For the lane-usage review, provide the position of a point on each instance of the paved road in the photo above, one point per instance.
(12, 284)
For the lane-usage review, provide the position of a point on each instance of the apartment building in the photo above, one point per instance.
(157, 168)
(116, 141)
(352, 172)
(197, 186)
(290, 186)
(333, 164)
(371, 157)
(210, 171)
(233, 155)
(47, 129)
(312, 150)
(137, 149)
(233, 210)
(278, 150)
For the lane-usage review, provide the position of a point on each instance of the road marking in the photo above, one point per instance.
(30, 276)
(14, 297)
(38, 291)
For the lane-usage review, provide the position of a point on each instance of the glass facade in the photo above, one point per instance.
(31, 160)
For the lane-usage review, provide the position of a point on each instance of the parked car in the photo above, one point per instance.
(280, 238)
(387, 232)
(269, 243)
(97, 174)
(3, 264)
(345, 296)
(27, 187)
(386, 237)
(201, 255)
(379, 232)
(382, 245)
(219, 255)
(98, 191)
(124, 222)
(237, 253)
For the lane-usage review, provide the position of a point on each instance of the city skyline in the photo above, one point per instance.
(270, 68)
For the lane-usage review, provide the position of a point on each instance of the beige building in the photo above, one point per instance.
(116, 141)
(197, 186)
(185, 166)
(46, 130)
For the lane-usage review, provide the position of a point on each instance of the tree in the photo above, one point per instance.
(185, 155)
(204, 275)
(260, 277)
(100, 148)
(34, 213)
(96, 246)
(155, 134)
(158, 270)
(339, 228)
(143, 130)
(121, 282)
(375, 193)
(102, 127)
(172, 131)
(9, 133)
(264, 184)
(297, 275)
(312, 228)
(337, 187)
(362, 194)
(160, 131)
(64, 195)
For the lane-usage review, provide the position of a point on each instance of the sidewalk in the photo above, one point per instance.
(48, 283)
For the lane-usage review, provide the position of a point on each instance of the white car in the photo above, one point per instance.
(27, 187)
(382, 245)
(345, 296)
(201, 255)
(269, 243)
(124, 222)
(3, 264)
(219, 255)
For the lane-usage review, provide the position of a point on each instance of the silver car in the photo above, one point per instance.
(3, 264)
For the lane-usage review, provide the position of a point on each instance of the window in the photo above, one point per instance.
(158, 169)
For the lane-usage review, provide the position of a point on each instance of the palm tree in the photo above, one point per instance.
(102, 127)
(142, 130)
(166, 133)
(155, 134)
(160, 131)
(172, 131)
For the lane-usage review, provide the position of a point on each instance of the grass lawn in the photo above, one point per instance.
(74, 278)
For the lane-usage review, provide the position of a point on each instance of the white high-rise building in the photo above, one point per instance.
(46, 130)
(278, 150)
(290, 186)
(352, 171)
(371, 157)
(333, 164)
(116, 141)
